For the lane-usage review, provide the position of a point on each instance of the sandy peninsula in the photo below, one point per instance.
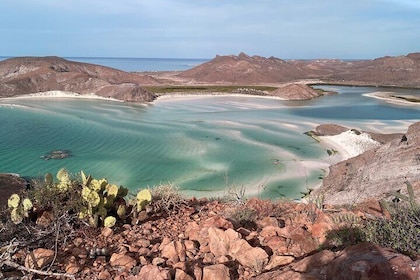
(392, 97)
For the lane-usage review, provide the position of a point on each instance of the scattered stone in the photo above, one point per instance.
(369, 261)
(122, 260)
(216, 271)
(276, 261)
(39, 258)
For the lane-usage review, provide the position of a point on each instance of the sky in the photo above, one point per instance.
(287, 29)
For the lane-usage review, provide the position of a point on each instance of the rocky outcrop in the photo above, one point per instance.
(376, 172)
(297, 92)
(25, 75)
(10, 184)
(203, 240)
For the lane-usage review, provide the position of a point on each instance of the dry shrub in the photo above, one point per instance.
(166, 198)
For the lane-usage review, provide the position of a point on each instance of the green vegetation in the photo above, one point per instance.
(400, 230)
(161, 90)
(400, 233)
(94, 201)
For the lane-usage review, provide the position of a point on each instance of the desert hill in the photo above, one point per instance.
(376, 172)
(244, 69)
(24, 75)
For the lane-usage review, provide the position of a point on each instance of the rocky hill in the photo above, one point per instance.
(297, 92)
(244, 69)
(376, 172)
(24, 75)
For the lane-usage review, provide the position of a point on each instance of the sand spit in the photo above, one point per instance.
(393, 98)
(178, 96)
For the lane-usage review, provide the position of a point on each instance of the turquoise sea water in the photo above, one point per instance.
(205, 145)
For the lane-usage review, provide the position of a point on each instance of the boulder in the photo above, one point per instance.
(376, 172)
(39, 258)
(216, 271)
(10, 184)
(369, 261)
(123, 261)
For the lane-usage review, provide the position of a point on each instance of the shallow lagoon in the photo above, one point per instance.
(205, 145)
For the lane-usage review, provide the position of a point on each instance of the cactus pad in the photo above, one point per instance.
(13, 201)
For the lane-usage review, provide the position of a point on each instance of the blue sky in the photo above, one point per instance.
(203, 28)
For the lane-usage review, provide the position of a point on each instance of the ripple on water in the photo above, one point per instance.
(204, 145)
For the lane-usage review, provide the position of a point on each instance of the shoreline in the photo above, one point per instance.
(348, 144)
(390, 97)
(61, 94)
(342, 146)
(212, 94)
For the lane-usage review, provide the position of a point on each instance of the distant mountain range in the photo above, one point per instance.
(25, 75)
(401, 71)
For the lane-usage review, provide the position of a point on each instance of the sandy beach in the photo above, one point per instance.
(349, 144)
(398, 99)
(60, 94)
(177, 96)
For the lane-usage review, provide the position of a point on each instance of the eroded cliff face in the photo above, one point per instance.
(376, 172)
(25, 75)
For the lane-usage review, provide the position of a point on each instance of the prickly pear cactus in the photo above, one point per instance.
(63, 177)
(13, 201)
(143, 198)
(19, 208)
(101, 199)
(110, 221)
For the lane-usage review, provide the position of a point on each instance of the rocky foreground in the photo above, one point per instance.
(206, 240)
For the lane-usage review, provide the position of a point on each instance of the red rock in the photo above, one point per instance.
(39, 258)
(181, 275)
(122, 260)
(149, 272)
(220, 240)
(107, 232)
(216, 271)
(45, 219)
(218, 222)
(174, 251)
(276, 261)
(72, 266)
(267, 221)
(198, 272)
(285, 275)
(248, 256)
(369, 261)
(262, 207)
(104, 275)
(314, 261)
